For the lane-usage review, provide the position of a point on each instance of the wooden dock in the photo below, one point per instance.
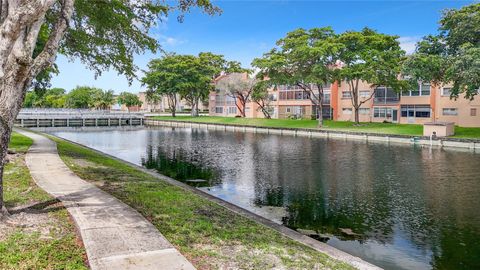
(76, 118)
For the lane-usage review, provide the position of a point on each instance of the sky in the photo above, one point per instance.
(247, 29)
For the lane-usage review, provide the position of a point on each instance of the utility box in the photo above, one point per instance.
(439, 129)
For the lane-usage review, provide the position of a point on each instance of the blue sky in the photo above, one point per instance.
(247, 29)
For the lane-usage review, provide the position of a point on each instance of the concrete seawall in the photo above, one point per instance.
(465, 144)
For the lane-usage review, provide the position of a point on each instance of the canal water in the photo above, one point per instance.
(396, 206)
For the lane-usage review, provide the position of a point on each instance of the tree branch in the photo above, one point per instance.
(47, 56)
(371, 96)
(17, 19)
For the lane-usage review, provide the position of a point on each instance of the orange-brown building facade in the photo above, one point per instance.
(426, 103)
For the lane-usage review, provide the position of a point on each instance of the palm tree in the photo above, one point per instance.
(103, 100)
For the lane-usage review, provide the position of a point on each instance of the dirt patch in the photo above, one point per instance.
(33, 219)
(238, 256)
(10, 158)
(206, 212)
(85, 163)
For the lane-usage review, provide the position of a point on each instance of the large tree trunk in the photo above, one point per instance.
(5, 136)
(320, 114)
(194, 112)
(12, 93)
(20, 23)
(357, 116)
(242, 109)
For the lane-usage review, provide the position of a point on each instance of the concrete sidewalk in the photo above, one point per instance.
(115, 236)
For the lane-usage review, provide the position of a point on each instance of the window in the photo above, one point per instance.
(218, 109)
(450, 111)
(382, 112)
(446, 91)
(230, 100)
(422, 90)
(346, 94)
(365, 94)
(473, 112)
(247, 109)
(425, 89)
(288, 110)
(327, 86)
(219, 99)
(364, 110)
(298, 110)
(290, 95)
(232, 110)
(385, 95)
(326, 98)
(298, 95)
(294, 95)
(347, 110)
(378, 112)
(421, 111)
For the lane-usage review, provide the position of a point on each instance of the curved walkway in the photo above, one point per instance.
(114, 235)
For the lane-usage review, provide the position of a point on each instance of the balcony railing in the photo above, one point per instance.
(386, 100)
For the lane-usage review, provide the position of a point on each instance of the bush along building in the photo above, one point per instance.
(425, 103)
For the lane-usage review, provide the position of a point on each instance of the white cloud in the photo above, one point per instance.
(170, 41)
(408, 44)
(167, 41)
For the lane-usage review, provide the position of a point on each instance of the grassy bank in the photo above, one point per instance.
(39, 233)
(383, 128)
(210, 236)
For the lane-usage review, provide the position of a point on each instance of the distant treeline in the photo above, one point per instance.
(81, 97)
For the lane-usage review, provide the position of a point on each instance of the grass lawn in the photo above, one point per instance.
(39, 233)
(466, 133)
(210, 236)
(383, 128)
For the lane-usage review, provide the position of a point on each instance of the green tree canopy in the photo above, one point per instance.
(304, 58)
(82, 97)
(103, 99)
(452, 56)
(129, 100)
(50, 98)
(370, 57)
(185, 76)
(108, 34)
(30, 99)
(165, 78)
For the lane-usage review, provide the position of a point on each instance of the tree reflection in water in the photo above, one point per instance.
(180, 166)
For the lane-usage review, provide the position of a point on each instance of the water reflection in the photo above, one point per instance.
(179, 165)
(400, 207)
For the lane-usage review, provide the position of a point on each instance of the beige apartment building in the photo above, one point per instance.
(426, 103)
(221, 104)
(285, 101)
